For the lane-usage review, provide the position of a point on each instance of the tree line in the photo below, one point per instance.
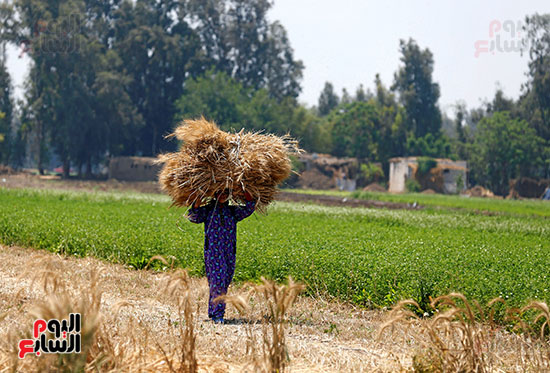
(114, 77)
(105, 75)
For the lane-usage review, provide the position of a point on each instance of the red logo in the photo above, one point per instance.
(64, 339)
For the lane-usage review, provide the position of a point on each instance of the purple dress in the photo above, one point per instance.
(220, 239)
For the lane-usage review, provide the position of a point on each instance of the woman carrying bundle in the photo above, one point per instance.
(209, 161)
(220, 239)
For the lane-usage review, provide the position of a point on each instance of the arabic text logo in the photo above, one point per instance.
(63, 338)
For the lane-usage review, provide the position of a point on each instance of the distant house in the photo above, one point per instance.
(133, 169)
(447, 177)
(323, 171)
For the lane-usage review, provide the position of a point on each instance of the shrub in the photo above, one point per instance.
(370, 173)
(412, 185)
(425, 164)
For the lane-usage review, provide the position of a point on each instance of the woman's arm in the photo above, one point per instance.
(198, 214)
(242, 212)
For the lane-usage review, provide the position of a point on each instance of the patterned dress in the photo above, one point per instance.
(220, 239)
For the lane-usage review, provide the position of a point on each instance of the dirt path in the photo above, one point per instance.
(322, 336)
(340, 201)
(26, 180)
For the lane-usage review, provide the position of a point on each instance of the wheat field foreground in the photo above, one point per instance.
(140, 315)
(136, 324)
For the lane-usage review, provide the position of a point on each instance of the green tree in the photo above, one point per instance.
(77, 101)
(220, 98)
(158, 51)
(7, 32)
(238, 39)
(37, 118)
(393, 133)
(361, 95)
(283, 73)
(328, 100)
(346, 98)
(429, 145)
(216, 96)
(537, 89)
(355, 131)
(117, 117)
(18, 141)
(417, 91)
(53, 36)
(460, 143)
(501, 103)
(504, 148)
(6, 111)
(315, 136)
(369, 173)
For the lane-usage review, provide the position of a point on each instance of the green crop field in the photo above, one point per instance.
(371, 257)
(503, 206)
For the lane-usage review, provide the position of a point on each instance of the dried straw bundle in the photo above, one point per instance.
(211, 161)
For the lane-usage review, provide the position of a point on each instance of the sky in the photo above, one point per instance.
(347, 42)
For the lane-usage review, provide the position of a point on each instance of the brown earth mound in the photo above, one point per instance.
(6, 170)
(525, 187)
(315, 179)
(432, 180)
(374, 187)
(479, 191)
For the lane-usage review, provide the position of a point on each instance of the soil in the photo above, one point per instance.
(479, 191)
(374, 187)
(429, 191)
(525, 187)
(339, 201)
(315, 179)
(27, 180)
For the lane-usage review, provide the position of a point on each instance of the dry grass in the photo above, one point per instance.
(58, 304)
(149, 321)
(139, 312)
(211, 161)
(181, 359)
(105, 345)
(114, 340)
(272, 356)
(463, 337)
(532, 321)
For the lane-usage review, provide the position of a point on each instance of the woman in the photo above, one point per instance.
(220, 239)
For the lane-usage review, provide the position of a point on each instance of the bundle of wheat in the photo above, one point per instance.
(211, 161)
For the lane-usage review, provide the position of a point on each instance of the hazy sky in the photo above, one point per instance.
(347, 42)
